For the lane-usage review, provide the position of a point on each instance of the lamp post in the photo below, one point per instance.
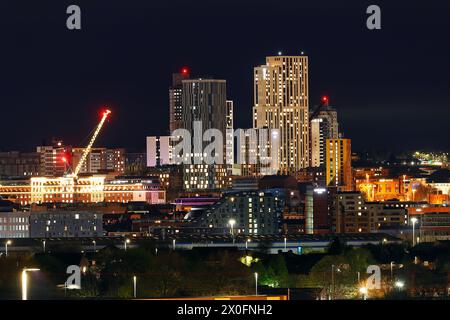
(363, 291)
(285, 244)
(134, 286)
(246, 244)
(25, 281)
(232, 222)
(7, 243)
(174, 244)
(256, 283)
(43, 245)
(125, 243)
(332, 281)
(95, 245)
(392, 270)
(414, 221)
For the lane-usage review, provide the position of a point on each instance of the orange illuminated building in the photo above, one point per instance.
(338, 164)
(417, 211)
(371, 172)
(402, 188)
(92, 189)
(438, 198)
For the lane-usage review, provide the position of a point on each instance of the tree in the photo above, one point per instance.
(336, 247)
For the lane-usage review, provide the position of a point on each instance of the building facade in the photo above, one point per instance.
(63, 224)
(323, 126)
(281, 101)
(352, 214)
(175, 100)
(205, 107)
(18, 164)
(91, 189)
(338, 160)
(54, 159)
(100, 160)
(245, 212)
(14, 225)
(159, 151)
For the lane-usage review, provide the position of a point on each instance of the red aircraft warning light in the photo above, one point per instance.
(184, 71)
(324, 99)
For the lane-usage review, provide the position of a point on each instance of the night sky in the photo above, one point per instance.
(391, 86)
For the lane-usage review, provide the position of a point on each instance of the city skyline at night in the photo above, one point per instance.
(375, 79)
(239, 150)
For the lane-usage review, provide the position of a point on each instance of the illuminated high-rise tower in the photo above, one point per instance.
(281, 102)
(175, 99)
(323, 126)
(205, 104)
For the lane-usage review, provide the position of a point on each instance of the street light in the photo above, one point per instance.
(414, 221)
(246, 243)
(285, 240)
(256, 283)
(25, 281)
(232, 222)
(7, 243)
(173, 244)
(134, 286)
(363, 291)
(399, 284)
(125, 243)
(43, 245)
(95, 245)
(392, 270)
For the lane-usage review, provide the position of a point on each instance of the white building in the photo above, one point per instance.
(159, 151)
(14, 225)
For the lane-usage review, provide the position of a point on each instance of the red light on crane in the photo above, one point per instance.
(324, 99)
(105, 113)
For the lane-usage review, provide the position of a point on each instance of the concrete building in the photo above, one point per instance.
(19, 164)
(433, 222)
(54, 159)
(205, 107)
(281, 101)
(244, 213)
(100, 160)
(63, 224)
(434, 226)
(175, 100)
(14, 225)
(229, 156)
(338, 160)
(159, 151)
(352, 214)
(323, 126)
(135, 163)
(257, 151)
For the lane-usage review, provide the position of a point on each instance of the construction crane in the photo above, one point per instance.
(86, 152)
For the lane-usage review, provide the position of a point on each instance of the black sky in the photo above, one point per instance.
(391, 86)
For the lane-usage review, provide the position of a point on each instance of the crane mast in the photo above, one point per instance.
(106, 113)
